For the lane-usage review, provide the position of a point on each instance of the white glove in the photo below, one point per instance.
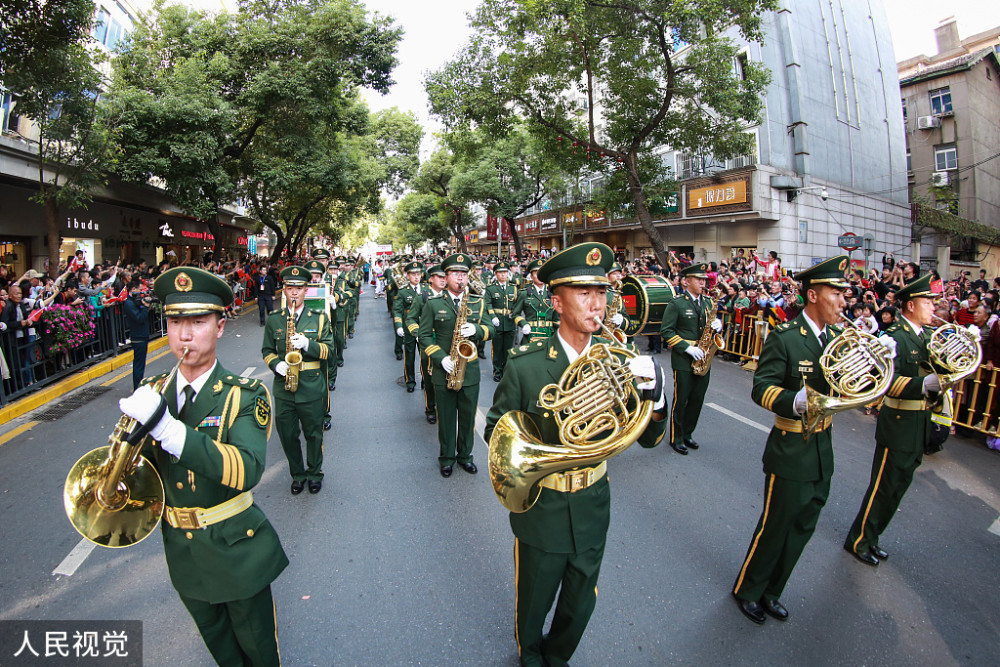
(661, 404)
(889, 343)
(141, 406)
(642, 367)
(3, 326)
(617, 319)
(281, 368)
(333, 303)
(716, 325)
(694, 352)
(800, 401)
(448, 364)
(468, 330)
(932, 383)
(496, 321)
(299, 341)
(399, 331)
(974, 330)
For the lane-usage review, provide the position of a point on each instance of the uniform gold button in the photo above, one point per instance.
(250, 532)
(180, 485)
(189, 535)
(546, 414)
(783, 433)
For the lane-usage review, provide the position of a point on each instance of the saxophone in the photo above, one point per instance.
(462, 350)
(710, 342)
(292, 356)
(614, 309)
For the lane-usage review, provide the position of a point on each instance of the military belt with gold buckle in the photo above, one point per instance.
(309, 365)
(190, 518)
(904, 404)
(795, 425)
(572, 481)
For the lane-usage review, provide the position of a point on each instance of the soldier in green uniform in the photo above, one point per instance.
(404, 302)
(222, 553)
(336, 360)
(533, 311)
(456, 410)
(390, 294)
(317, 271)
(559, 542)
(436, 285)
(313, 338)
(904, 422)
(684, 320)
(797, 471)
(477, 272)
(353, 277)
(501, 297)
(619, 319)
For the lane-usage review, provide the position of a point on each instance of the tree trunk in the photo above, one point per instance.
(215, 227)
(282, 240)
(517, 241)
(642, 213)
(55, 238)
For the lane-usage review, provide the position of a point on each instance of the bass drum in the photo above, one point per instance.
(644, 299)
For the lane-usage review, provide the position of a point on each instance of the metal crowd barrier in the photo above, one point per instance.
(977, 402)
(29, 364)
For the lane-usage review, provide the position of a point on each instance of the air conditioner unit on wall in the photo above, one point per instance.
(939, 179)
(927, 122)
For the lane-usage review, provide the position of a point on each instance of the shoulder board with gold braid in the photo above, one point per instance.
(236, 380)
(527, 348)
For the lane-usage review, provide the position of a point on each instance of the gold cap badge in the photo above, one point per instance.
(843, 265)
(594, 257)
(182, 283)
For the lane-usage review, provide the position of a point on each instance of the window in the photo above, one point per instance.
(114, 35)
(941, 101)
(909, 162)
(945, 158)
(101, 25)
(740, 65)
(904, 108)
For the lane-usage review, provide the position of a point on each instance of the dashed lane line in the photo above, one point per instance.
(738, 417)
(75, 559)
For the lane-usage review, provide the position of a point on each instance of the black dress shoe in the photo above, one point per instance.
(775, 609)
(469, 467)
(752, 610)
(878, 553)
(350, 335)
(340, 364)
(409, 390)
(691, 444)
(399, 356)
(327, 425)
(482, 355)
(315, 485)
(865, 556)
(331, 386)
(446, 471)
(432, 419)
(497, 377)
(297, 486)
(680, 448)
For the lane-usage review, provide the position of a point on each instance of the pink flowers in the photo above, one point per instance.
(68, 326)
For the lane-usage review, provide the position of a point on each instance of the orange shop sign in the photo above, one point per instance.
(717, 195)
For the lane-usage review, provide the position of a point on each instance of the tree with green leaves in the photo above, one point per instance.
(415, 219)
(397, 136)
(51, 71)
(612, 78)
(199, 90)
(435, 178)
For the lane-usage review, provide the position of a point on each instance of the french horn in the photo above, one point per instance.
(957, 352)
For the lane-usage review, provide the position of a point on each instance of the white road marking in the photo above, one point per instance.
(75, 559)
(248, 371)
(995, 528)
(739, 417)
(481, 425)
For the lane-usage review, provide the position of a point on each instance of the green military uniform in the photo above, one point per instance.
(534, 308)
(221, 561)
(405, 299)
(426, 365)
(477, 270)
(501, 300)
(902, 431)
(390, 294)
(615, 293)
(559, 542)
(354, 279)
(684, 320)
(318, 271)
(797, 471)
(306, 405)
(456, 410)
(336, 359)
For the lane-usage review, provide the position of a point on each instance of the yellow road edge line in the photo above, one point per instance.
(7, 437)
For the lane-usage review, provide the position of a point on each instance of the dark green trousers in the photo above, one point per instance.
(892, 473)
(502, 342)
(456, 413)
(288, 416)
(410, 361)
(538, 575)
(425, 379)
(352, 315)
(238, 633)
(689, 397)
(786, 523)
(397, 345)
(339, 343)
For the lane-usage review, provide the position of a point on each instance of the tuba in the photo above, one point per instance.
(955, 350)
(599, 412)
(292, 356)
(113, 496)
(462, 350)
(858, 369)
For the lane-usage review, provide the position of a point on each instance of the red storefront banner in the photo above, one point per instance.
(491, 228)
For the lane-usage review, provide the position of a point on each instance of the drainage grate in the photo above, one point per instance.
(57, 412)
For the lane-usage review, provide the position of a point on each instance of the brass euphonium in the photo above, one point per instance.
(858, 369)
(957, 352)
(600, 414)
(113, 495)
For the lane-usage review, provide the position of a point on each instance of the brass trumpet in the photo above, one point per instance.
(113, 495)
(599, 412)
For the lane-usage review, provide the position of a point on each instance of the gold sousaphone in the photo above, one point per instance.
(858, 369)
(599, 412)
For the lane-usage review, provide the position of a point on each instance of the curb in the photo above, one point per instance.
(28, 403)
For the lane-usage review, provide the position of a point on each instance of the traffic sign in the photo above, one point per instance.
(849, 241)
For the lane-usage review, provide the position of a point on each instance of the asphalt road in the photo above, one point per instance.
(393, 565)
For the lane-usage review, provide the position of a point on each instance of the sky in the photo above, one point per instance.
(435, 31)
